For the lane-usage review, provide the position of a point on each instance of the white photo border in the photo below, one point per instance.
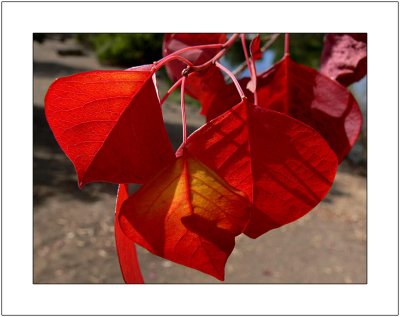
(21, 19)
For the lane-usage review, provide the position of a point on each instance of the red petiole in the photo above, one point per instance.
(176, 55)
(233, 78)
(287, 43)
(183, 110)
(246, 54)
(166, 59)
(252, 68)
(171, 90)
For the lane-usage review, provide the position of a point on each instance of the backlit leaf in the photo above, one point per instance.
(284, 166)
(126, 249)
(307, 95)
(109, 123)
(224, 98)
(304, 94)
(186, 214)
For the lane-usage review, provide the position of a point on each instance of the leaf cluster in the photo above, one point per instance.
(266, 156)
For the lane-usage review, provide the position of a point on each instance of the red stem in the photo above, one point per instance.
(254, 78)
(212, 61)
(171, 90)
(175, 55)
(287, 44)
(252, 68)
(184, 136)
(233, 78)
(204, 46)
(246, 54)
(168, 58)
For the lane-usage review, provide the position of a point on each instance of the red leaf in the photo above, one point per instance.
(255, 50)
(199, 85)
(344, 57)
(126, 250)
(177, 41)
(224, 99)
(109, 123)
(283, 165)
(314, 99)
(203, 85)
(304, 94)
(186, 214)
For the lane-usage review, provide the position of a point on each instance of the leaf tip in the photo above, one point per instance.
(81, 184)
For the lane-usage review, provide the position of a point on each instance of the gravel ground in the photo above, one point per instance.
(73, 229)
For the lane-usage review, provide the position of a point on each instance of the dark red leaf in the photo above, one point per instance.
(304, 94)
(344, 57)
(224, 98)
(309, 96)
(255, 50)
(199, 85)
(186, 214)
(284, 166)
(176, 41)
(109, 123)
(126, 249)
(203, 85)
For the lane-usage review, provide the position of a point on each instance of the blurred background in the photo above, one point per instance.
(74, 231)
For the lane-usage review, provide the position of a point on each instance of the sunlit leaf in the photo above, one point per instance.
(284, 166)
(304, 94)
(110, 125)
(186, 214)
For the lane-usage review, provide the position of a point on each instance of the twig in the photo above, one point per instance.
(267, 45)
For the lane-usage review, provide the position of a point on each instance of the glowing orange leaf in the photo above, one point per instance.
(186, 214)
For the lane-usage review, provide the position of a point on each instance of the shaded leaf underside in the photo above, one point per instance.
(199, 85)
(344, 57)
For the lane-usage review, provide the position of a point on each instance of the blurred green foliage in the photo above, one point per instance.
(305, 48)
(124, 49)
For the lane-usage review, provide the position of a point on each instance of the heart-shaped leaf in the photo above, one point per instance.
(307, 95)
(126, 249)
(284, 166)
(109, 123)
(344, 57)
(186, 214)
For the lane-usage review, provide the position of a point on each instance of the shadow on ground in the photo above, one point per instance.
(46, 69)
